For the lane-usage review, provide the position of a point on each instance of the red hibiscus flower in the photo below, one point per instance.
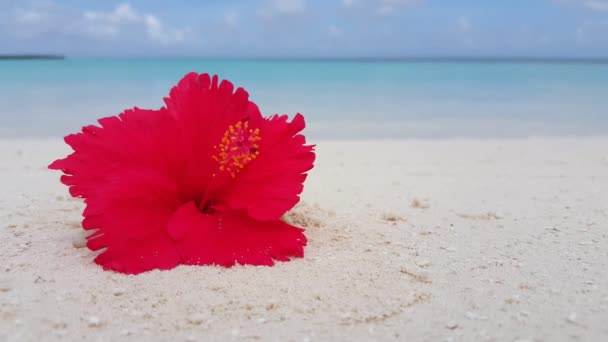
(203, 180)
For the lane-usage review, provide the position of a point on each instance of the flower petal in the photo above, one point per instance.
(133, 258)
(137, 137)
(270, 186)
(204, 110)
(233, 237)
(126, 170)
(131, 213)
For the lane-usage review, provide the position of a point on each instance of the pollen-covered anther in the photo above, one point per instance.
(238, 146)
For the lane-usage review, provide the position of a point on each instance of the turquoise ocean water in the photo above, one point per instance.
(340, 99)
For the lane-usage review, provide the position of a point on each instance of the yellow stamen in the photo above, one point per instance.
(238, 146)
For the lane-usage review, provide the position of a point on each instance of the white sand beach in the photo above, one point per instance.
(416, 240)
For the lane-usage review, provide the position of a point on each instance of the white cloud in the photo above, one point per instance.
(272, 10)
(378, 7)
(348, 3)
(386, 10)
(28, 16)
(122, 20)
(596, 5)
(580, 33)
(157, 32)
(289, 6)
(544, 39)
(590, 31)
(124, 11)
(464, 23)
(34, 20)
(107, 23)
(124, 17)
(334, 31)
(388, 7)
(231, 19)
(121, 14)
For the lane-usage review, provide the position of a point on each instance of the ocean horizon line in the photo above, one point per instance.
(354, 59)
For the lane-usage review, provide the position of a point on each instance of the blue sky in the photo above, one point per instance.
(306, 28)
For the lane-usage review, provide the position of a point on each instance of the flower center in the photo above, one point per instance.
(238, 146)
